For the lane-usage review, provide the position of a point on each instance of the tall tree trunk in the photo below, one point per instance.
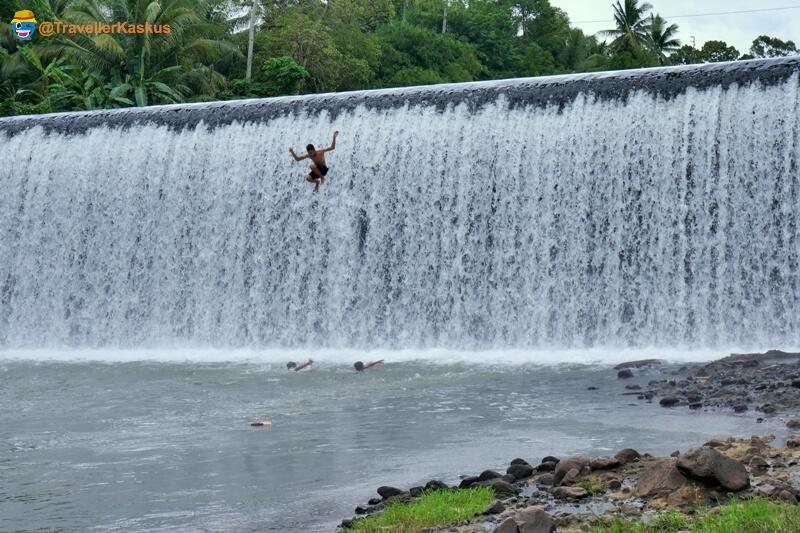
(444, 17)
(250, 39)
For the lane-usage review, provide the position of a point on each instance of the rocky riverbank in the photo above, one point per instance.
(571, 494)
(767, 383)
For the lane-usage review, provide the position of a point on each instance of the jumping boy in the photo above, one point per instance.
(319, 169)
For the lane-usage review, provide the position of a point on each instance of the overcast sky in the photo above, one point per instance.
(738, 30)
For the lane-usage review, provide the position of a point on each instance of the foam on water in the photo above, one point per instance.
(531, 231)
(332, 357)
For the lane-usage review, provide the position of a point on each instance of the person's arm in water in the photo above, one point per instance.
(333, 143)
(304, 365)
(373, 363)
(297, 157)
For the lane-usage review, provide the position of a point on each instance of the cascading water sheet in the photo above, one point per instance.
(644, 220)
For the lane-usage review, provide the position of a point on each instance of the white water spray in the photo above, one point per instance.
(606, 223)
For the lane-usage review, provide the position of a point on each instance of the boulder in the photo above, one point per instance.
(571, 493)
(712, 467)
(625, 374)
(520, 471)
(550, 459)
(669, 401)
(501, 488)
(535, 520)
(468, 482)
(416, 492)
(519, 461)
(388, 492)
(571, 477)
(758, 466)
(660, 477)
(435, 484)
(497, 507)
(639, 363)
(793, 441)
(740, 408)
(578, 462)
(604, 463)
(508, 478)
(509, 525)
(547, 466)
(793, 423)
(545, 479)
(375, 501)
(627, 455)
(486, 475)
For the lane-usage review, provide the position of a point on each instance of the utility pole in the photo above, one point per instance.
(250, 39)
(444, 18)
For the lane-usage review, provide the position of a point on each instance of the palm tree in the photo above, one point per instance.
(632, 25)
(661, 38)
(148, 68)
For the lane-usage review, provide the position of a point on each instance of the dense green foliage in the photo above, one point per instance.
(436, 508)
(754, 516)
(306, 46)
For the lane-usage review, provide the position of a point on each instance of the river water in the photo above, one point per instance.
(166, 446)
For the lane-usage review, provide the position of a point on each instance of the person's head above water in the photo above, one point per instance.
(290, 365)
(310, 149)
(360, 367)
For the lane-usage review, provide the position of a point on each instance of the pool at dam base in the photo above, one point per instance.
(165, 446)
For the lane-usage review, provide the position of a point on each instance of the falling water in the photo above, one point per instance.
(649, 218)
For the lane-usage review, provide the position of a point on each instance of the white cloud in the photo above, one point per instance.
(738, 30)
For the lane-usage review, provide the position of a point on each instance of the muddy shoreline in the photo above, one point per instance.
(572, 493)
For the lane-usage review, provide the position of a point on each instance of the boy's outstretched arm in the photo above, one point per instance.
(333, 143)
(297, 157)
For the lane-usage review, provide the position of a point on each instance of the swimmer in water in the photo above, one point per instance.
(360, 367)
(291, 365)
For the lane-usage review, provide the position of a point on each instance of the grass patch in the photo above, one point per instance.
(592, 484)
(435, 508)
(752, 516)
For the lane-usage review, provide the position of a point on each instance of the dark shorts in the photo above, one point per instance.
(322, 169)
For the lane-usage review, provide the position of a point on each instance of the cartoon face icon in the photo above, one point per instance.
(24, 24)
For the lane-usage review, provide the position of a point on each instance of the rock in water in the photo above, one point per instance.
(660, 477)
(710, 466)
(627, 455)
(578, 462)
(625, 374)
(501, 488)
(639, 363)
(571, 493)
(388, 492)
(486, 475)
(535, 520)
(669, 401)
(435, 484)
(262, 424)
(520, 471)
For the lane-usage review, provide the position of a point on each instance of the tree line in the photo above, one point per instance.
(310, 46)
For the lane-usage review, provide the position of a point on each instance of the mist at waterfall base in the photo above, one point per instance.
(155, 280)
